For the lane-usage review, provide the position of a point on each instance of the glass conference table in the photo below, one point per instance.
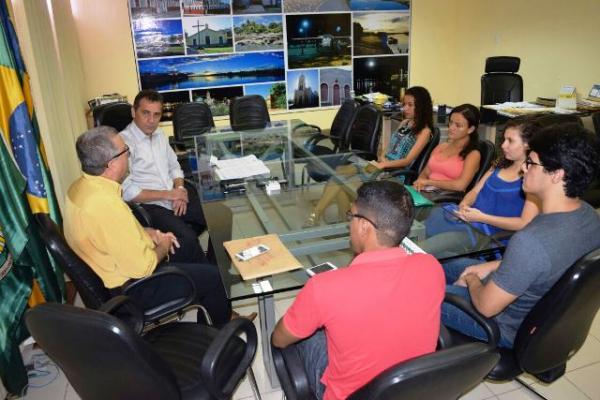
(244, 210)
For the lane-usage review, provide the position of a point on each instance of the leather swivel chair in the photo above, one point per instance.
(500, 83)
(338, 136)
(248, 112)
(363, 141)
(191, 119)
(92, 290)
(487, 150)
(411, 173)
(365, 132)
(555, 328)
(338, 133)
(104, 357)
(116, 115)
(596, 122)
(454, 370)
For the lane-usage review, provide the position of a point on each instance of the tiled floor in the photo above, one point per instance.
(581, 382)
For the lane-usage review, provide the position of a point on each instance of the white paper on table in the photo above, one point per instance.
(239, 168)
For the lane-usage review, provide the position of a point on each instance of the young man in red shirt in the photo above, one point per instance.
(351, 324)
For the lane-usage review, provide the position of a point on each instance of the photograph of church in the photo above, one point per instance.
(208, 35)
(336, 84)
(302, 89)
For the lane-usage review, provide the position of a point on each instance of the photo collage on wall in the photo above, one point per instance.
(297, 54)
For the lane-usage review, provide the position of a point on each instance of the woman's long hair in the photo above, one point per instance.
(527, 127)
(423, 108)
(471, 114)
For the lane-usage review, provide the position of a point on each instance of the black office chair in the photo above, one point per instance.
(596, 121)
(248, 112)
(189, 120)
(500, 83)
(104, 357)
(338, 133)
(117, 115)
(487, 150)
(93, 292)
(363, 141)
(365, 132)
(411, 173)
(555, 328)
(454, 371)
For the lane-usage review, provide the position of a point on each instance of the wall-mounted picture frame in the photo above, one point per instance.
(384, 74)
(158, 38)
(302, 89)
(187, 48)
(209, 71)
(258, 32)
(217, 99)
(273, 93)
(377, 33)
(318, 40)
(154, 9)
(208, 35)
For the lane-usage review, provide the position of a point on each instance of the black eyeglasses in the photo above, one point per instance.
(529, 162)
(350, 215)
(126, 150)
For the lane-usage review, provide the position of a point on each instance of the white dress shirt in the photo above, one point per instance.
(153, 164)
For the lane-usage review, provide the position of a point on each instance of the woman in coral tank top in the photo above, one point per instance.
(453, 164)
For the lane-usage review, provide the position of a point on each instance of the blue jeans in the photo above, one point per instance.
(454, 268)
(454, 318)
(313, 351)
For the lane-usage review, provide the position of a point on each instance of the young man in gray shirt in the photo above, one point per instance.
(562, 163)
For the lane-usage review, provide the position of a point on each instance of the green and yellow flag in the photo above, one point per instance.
(26, 271)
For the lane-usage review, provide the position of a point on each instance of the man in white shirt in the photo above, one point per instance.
(156, 179)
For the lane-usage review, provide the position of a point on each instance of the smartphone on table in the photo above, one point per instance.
(323, 267)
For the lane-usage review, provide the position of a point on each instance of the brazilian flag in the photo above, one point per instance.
(27, 274)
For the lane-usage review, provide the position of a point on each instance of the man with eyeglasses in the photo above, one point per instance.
(101, 229)
(562, 163)
(352, 323)
(156, 179)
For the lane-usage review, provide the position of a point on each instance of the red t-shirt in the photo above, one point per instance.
(382, 309)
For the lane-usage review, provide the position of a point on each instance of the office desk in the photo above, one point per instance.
(252, 212)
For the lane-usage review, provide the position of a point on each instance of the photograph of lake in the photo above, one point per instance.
(156, 38)
(378, 33)
(364, 5)
(210, 71)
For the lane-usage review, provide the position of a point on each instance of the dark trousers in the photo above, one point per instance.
(186, 228)
(210, 291)
(313, 352)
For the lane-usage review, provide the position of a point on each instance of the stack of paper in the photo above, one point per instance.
(239, 168)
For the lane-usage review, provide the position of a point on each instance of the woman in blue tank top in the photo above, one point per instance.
(497, 202)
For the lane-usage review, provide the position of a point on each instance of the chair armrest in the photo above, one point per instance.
(503, 234)
(183, 292)
(365, 155)
(446, 196)
(313, 140)
(140, 214)
(216, 351)
(409, 175)
(177, 144)
(126, 310)
(488, 324)
(304, 126)
(291, 373)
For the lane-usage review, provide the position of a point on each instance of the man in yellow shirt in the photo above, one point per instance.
(101, 229)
